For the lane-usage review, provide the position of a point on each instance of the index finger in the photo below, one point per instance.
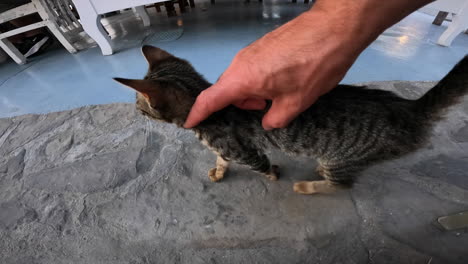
(211, 100)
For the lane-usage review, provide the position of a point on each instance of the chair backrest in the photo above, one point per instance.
(62, 13)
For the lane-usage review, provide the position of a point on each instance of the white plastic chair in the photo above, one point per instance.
(56, 16)
(90, 17)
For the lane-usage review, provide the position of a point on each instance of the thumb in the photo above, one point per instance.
(283, 110)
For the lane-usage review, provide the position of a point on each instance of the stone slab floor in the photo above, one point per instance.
(102, 184)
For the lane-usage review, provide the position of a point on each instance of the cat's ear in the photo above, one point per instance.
(145, 87)
(154, 55)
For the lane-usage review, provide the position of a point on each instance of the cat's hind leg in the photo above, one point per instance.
(320, 170)
(342, 172)
(336, 177)
(315, 187)
(216, 174)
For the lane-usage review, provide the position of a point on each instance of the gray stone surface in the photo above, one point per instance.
(102, 184)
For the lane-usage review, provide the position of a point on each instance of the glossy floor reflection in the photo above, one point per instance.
(211, 37)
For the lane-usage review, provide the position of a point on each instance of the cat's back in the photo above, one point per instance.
(355, 115)
(358, 102)
(356, 95)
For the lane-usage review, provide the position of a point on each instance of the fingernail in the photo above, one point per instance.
(267, 128)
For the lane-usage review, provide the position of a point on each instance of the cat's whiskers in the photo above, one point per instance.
(147, 129)
(150, 129)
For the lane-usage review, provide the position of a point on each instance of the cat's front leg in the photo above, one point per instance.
(240, 152)
(216, 174)
(258, 162)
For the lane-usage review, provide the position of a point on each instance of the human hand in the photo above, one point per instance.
(296, 63)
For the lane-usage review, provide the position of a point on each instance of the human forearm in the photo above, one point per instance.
(364, 19)
(298, 62)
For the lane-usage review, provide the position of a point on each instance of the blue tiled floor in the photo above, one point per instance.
(212, 36)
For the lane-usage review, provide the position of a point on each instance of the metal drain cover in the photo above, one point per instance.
(164, 35)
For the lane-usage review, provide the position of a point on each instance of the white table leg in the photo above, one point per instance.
(458, 24)
(12, 51)
(143, 14)
(90, 20)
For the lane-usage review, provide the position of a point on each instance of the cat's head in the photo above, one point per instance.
(169, 89)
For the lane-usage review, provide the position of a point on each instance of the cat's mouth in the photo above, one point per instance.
(150, 115)
(143, 112)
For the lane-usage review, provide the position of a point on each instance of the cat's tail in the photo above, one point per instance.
(447, 92)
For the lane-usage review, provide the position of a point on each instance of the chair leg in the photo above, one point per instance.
(192, 3)
(141, 12)
(158, 8)
(181, 6)
(61, 37)
(306, 1)
(12, 51)
(213, 2)
(170, 9)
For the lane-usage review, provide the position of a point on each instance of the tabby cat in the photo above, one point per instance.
(346, 130)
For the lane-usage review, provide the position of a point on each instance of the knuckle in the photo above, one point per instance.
(294, 108)
(297, 105)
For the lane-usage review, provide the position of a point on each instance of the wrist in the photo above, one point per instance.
(351, 22)
(362, 21)
(344, 32)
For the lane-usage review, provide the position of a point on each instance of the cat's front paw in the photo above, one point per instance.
(273, 174)
(212, 175)
(216, 174)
